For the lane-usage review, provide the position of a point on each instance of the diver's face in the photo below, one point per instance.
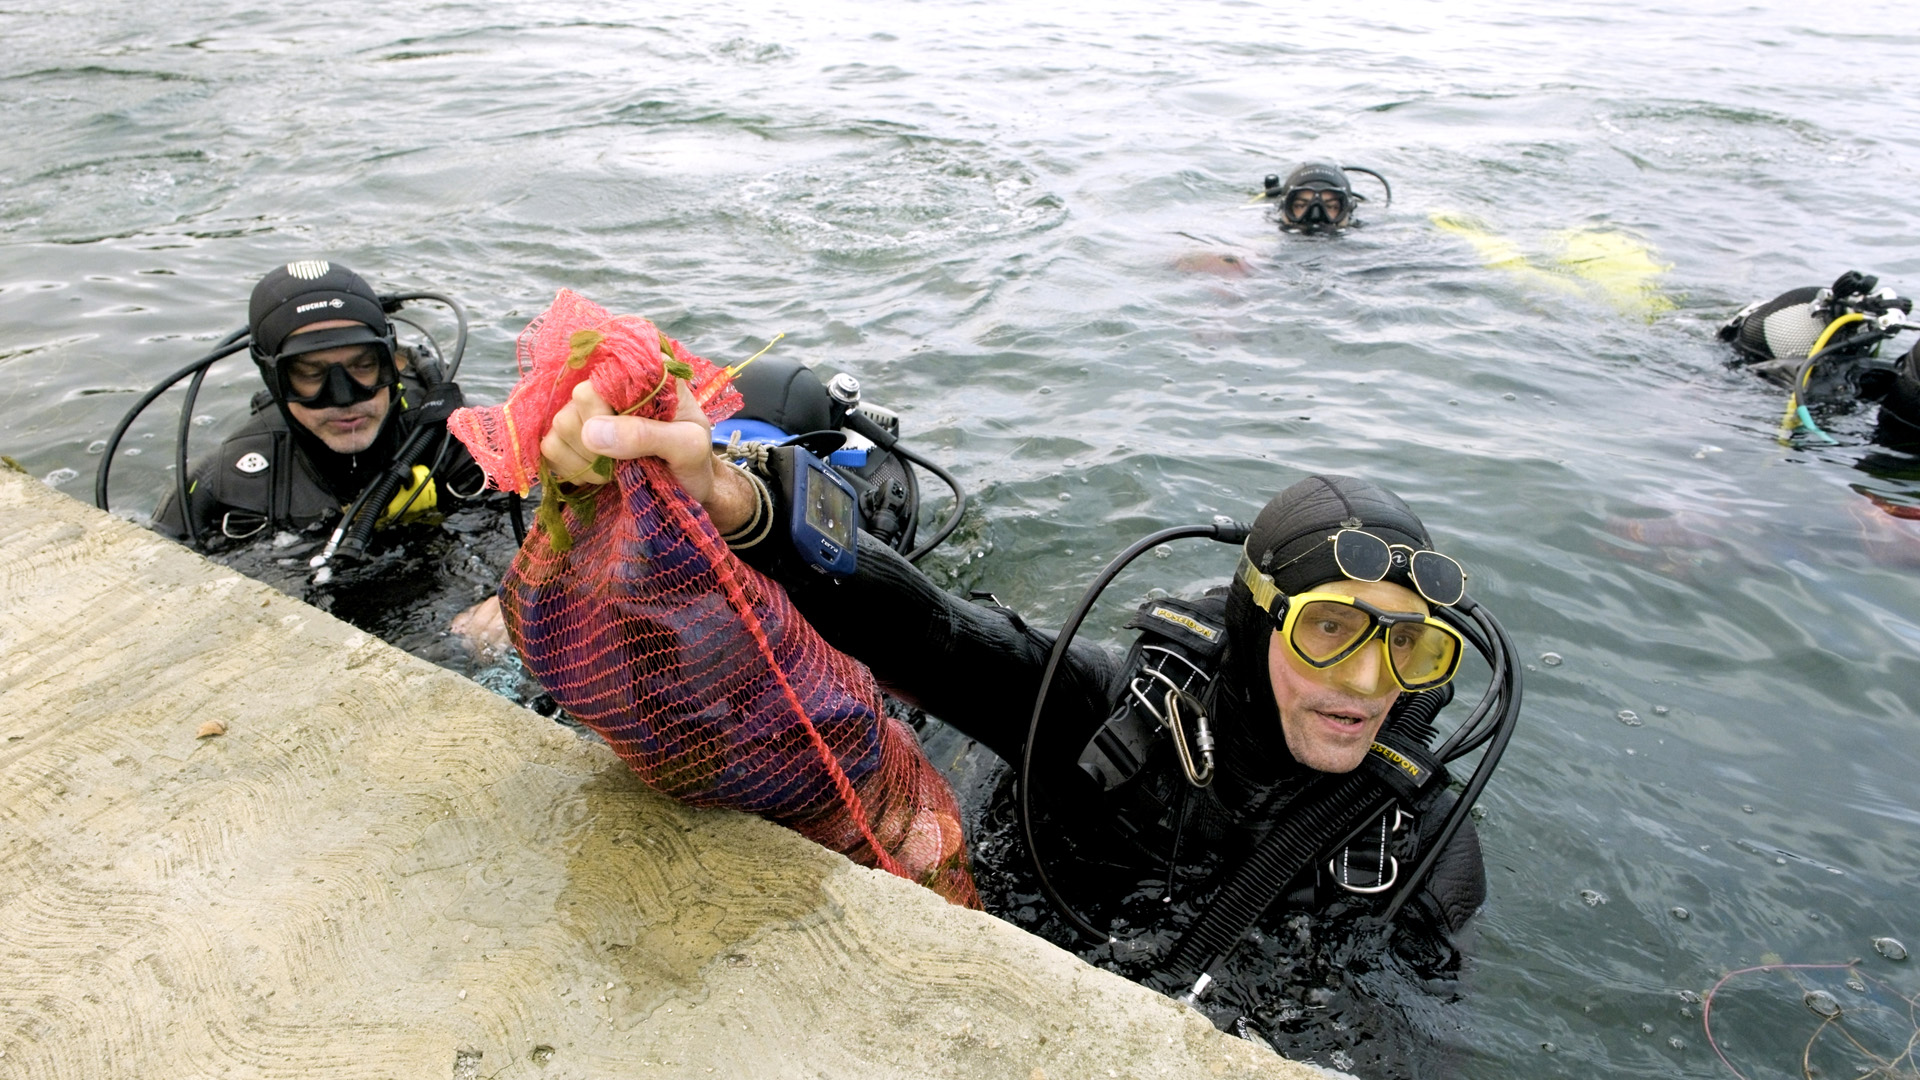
(1331, 715)
(348, 429)
(1302, 202)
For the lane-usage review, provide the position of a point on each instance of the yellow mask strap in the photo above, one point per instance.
(1265, 592)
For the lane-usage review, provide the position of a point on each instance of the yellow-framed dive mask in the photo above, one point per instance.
(1324, 628)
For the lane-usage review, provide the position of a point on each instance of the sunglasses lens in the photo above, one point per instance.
(1325, 629)
(1422, 655)
(1362, 556)
(1438, 578)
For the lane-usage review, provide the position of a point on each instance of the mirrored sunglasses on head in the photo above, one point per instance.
(1363, 556)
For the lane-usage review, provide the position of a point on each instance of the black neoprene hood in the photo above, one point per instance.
(1290, 541)
(302, 293)
(1319, 176)
(1289, 538)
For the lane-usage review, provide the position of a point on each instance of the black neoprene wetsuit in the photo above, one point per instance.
(978, 668)
(263, 477)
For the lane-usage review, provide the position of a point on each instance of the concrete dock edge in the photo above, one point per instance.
(382, 870)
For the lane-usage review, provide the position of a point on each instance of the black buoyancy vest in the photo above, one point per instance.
(260, 477)
(1131, 757)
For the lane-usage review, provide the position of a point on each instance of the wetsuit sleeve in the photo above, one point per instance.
(1457, 886)
(975, 667)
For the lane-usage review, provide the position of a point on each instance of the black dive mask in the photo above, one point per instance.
(1324, 209)
(337, 390)
(339, 384)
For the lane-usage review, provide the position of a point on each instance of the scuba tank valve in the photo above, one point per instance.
(844, 390)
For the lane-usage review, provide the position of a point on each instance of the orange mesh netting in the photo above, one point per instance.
(628, 607)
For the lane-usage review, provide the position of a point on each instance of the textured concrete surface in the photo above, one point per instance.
(381, 870)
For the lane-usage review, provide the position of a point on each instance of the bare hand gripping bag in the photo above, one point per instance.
(697, 670)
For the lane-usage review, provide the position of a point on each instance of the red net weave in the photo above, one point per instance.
(694, 667)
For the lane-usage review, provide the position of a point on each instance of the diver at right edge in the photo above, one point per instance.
(1824, 346)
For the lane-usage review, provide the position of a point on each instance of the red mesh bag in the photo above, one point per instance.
(631, 611)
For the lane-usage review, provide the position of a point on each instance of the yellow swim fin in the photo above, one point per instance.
(1499, 253)
(1623, 269)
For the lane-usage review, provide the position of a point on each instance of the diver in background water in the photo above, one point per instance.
(1319, 197)
(1264, 746)
(1824, 346)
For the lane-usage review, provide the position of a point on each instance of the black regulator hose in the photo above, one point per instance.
(429, 421)
(865, 425)
(356, 529)
(1376, 176)
(228, 345)
(1501, 732)
(1226, 532)
(392, 302)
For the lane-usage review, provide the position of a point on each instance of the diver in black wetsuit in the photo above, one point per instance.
(341, 400)
(1289, 672)
(1824, 346)
(349, 436)
(1279, 726)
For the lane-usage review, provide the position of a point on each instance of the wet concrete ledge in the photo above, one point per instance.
(382, 870)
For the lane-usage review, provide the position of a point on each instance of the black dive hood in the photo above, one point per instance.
(311, 292)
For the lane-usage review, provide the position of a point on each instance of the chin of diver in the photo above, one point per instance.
(1329, 987)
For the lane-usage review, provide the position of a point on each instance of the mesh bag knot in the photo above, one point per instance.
(697, 670)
